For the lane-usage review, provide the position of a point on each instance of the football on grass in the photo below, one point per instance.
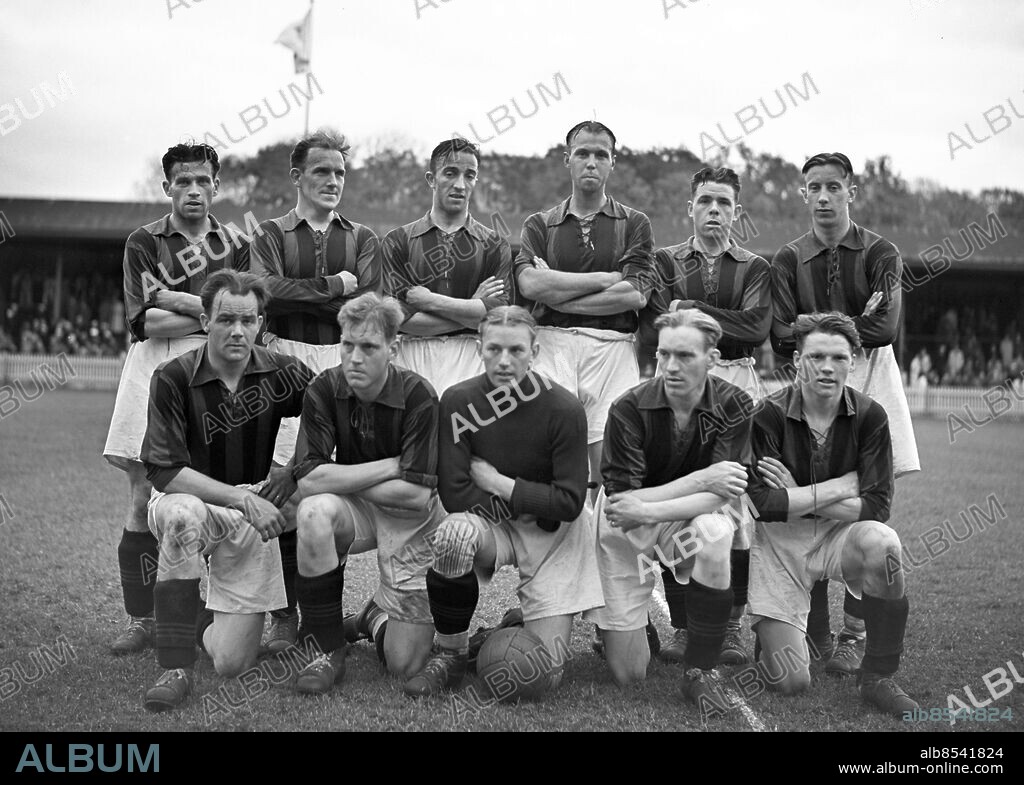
(514, 665)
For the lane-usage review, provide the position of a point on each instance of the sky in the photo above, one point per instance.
(867, 78)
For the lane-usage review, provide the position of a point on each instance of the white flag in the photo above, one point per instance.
(298, 37)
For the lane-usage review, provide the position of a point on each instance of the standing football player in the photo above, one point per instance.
(313, 260)
(379, 492)
(675, 452)
(823, 490)
(165, 265)
(515, 489)
(840, 266)
(213, 417)
(447, 270)
(586, 267)
(709, 272)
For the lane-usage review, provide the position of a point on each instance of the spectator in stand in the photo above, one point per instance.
(954, 365)
(7, 344)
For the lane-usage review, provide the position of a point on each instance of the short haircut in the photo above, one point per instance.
(323, 138)
(187, 153)
(828, 322)
(590, 126)
(233, 282)
(450, 148)
(509, 315)
(384, 313)
(691, 317)
(722, 174)
(824, 159)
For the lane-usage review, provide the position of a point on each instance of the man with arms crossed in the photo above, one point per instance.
(515, 489)
(165, 265)
(840, 266)
(447, 270)
(586, 266)
(213, 416)
(313, 261)
(712, 274)
(675, 449)
(823, 488)
(381, 421)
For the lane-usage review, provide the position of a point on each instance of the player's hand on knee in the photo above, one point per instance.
(279, 486)
(264, 517)
(725, 478)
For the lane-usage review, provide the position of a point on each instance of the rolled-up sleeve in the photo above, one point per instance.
(623, 461)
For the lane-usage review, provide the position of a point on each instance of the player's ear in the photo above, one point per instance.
(167, 188)
(713, 357)
(216, 185)
(689, 208)
(565, 158)
(803, 193)
(534, 350)
(204, 322)
(737, 211)
(430, 178)
(294, 173)
(853, 193)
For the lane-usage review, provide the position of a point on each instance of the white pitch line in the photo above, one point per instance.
(734, 699)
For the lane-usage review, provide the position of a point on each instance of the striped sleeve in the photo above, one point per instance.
(637, 262)
(884, 269)
(784, 300)
(141, 279)
(418, 461)
(368, 263)
(752, 321)
(165, 446)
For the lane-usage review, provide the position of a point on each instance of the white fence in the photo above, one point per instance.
(103, 373)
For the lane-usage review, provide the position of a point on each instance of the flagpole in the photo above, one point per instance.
(309, 63)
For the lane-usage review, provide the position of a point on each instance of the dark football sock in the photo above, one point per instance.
(289, 570)
(176, 604)
(707, 615)
(853, 617)
(320, 601)
(203, 620)
(818, 625)
(452, 601)
(739, 564)
(137, 557)
(675, 598)
(886, 622)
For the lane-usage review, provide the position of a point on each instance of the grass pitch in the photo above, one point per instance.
(62, 515)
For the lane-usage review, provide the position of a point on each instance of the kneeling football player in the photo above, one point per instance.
(674, 455)
(378, 493)
(823, 489)
(513, 478)
(214, 413)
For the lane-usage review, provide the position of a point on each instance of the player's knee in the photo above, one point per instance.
(232, 663)
(315, 521)
(455, 544)
(628, 670)
(792, 683)
(714, 533)
(179, 519)
(878, 543)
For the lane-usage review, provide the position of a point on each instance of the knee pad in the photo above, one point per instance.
(455, 544)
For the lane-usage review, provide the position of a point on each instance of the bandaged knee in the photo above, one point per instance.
(455, 544)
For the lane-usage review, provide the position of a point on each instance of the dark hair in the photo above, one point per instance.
(509, 315)
(590, 126)
(450, 148)
(384, 312)
(828, 322)
(691, 317)
(233, 282)
(824, 159)
(190, 152)
(722, 174)
(323, 138)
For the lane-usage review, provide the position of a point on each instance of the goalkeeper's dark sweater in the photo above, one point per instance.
(535, 433)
